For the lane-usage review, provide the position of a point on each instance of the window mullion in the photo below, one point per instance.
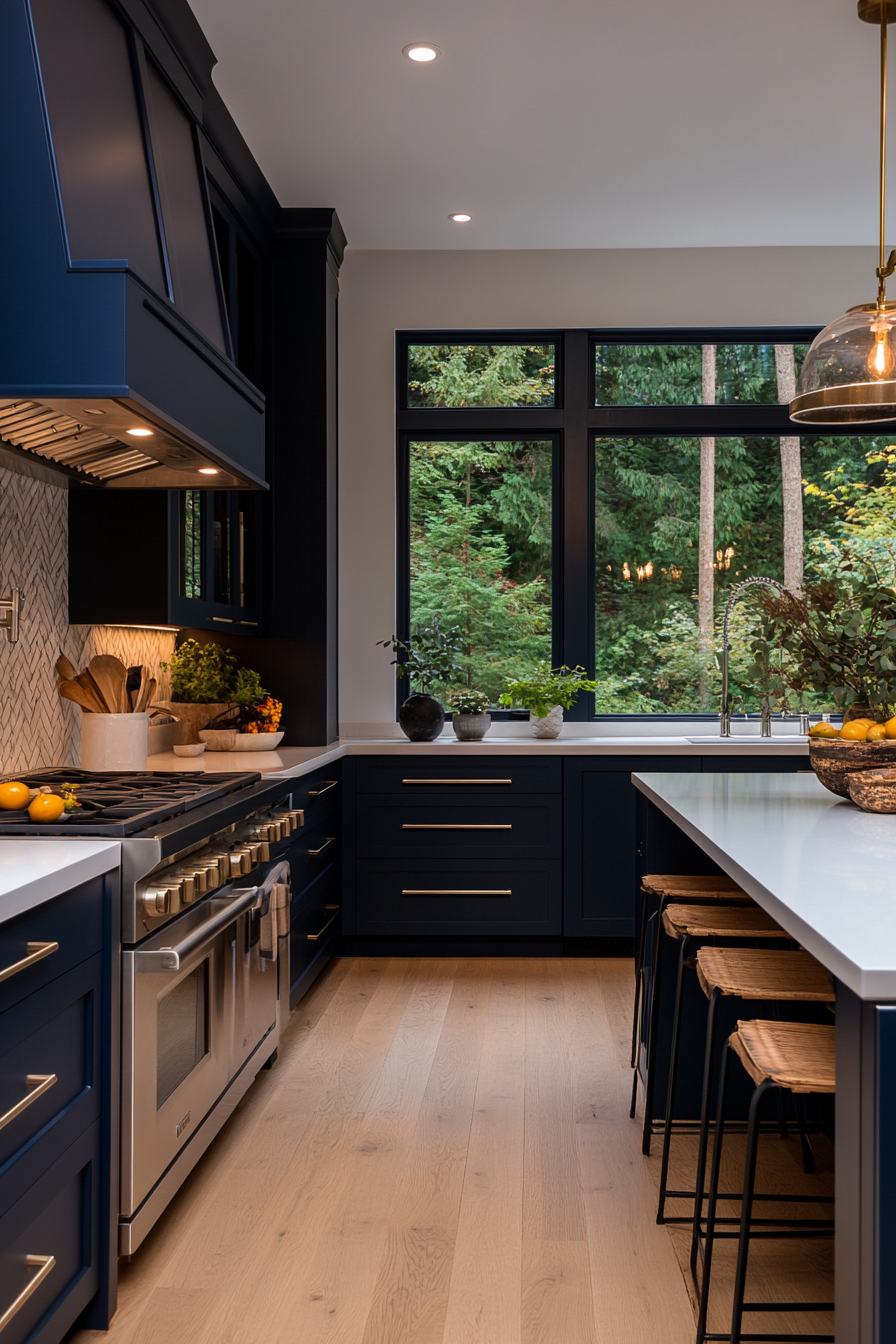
(574, 611)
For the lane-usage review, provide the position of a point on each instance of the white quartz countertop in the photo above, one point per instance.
(302, 760)
(822, 867)
(34, 871)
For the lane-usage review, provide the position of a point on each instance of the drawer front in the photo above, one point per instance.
(311, 853)
(314, 932)
(524, 827)
(453, 897)
(419, 776)
(58, 1217)
(318, 794)
(74, 921)
(53, 1034)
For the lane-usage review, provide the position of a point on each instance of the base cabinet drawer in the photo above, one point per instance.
(315, 929)
(522, 828)
(420, 776)
(450, 896)
(310, 854)
(43, 943)
(56, 1220)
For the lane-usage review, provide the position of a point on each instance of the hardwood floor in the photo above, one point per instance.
(442, 1155)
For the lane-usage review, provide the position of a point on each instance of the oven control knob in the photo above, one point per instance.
(200, 877)
(190, 884)
(210, 873)
(157, 901)
(298, 817)
(219, 869)
(239, 864)
(254, 849)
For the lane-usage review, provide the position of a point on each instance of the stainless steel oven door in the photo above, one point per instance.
(184, 999)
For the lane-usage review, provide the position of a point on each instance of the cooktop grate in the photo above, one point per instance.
(121, 803)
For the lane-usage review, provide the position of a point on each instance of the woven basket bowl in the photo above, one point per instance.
(874, 790)
(833, 761)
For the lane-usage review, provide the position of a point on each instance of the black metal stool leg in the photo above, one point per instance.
(652, 1046)
(639, 978)
(700, 1176)
(713, 1196)
(673, 1072)
(808, 1150)
(746, 1211)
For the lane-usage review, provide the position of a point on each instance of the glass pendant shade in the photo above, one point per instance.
(849, 373)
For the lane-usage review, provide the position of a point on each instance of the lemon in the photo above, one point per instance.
(14, 796)
(876, 733)
(854, 731)
(46, 807)
(824, 730)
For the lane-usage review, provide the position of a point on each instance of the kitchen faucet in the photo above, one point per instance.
(734, 594)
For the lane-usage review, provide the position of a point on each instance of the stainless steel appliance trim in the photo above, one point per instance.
(166, 959)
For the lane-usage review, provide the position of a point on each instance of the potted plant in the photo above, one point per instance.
(546, 692)
(430, 656)
(470, 719)
(207, 683)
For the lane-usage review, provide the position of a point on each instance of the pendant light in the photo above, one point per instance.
(849, 373)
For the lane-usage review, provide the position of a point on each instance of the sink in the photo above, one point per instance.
(749, 740)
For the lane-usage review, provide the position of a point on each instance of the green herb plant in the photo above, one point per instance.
(545, 687)
(431, 655)
(468, 702)
(207, 674)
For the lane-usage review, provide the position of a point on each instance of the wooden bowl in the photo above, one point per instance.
(874, 790)
(834, 761)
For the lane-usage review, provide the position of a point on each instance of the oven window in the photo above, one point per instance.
(182, 1031)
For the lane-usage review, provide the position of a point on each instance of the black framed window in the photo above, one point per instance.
(628, 415)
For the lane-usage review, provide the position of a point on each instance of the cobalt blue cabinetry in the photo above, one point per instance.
(59, 1015)
(314, 859)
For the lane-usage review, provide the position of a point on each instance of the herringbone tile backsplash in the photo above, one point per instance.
(36, 727)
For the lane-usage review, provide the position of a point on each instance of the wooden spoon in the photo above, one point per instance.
(147, 691)
(87, 684)
(110, 675)
(72, 690)
(64, 669)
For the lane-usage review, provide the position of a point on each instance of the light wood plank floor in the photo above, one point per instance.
(442, 1155)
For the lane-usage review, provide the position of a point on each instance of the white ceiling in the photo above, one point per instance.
(561, 123)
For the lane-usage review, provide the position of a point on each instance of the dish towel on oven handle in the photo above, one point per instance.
(272, 904)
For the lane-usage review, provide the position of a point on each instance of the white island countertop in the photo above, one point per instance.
(819, 865)
(34, 871)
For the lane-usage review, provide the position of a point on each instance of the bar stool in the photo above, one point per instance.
(668, 887)
(682, 923)
(749, 973)
(797, 1057)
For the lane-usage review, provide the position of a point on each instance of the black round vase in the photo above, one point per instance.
(422, 718)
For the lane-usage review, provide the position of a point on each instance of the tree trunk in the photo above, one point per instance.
(791, 476)
(706, 544)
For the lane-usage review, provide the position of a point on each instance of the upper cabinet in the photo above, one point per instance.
(130, 347)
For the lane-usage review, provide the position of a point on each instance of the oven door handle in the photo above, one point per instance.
(166, 959)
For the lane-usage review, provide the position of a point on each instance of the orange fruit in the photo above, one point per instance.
(890, 727)
(46, 807)
(854, 731)
(14, 796)
(876, 733)
(824, 730)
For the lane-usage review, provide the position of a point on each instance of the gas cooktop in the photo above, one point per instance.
(119, 804)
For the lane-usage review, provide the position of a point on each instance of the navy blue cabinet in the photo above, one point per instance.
(59, 1014)
(315, 863)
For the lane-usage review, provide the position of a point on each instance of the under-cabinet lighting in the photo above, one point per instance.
(140, 433)
(421, 51)
(461, 217)
(208, 471)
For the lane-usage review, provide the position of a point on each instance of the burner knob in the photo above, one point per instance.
(218, 868)
(254, 849)
(193, 887)
(240, 863)
(298, 817)
(210, 874)
(157, 901)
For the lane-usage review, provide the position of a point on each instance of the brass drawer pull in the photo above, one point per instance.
(448, 826)
(457, 891)
(314, 937)
(328, 785)
(46, 1263)
(36, 952)
(457, 781)
(330, 840)
(41, 1083)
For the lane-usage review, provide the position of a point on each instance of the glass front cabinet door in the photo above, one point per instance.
(215, 539)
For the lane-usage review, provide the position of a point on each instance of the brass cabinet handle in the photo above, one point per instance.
(313, 937)
(36, 952)
(449, 826)
(329, 784)
(457, 891)
(224, 620)
(41, 1083)
(457, 781)
(330, 840)
(44, 1264)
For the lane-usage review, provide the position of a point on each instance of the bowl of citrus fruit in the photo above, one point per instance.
(861, 744)
(44, 805)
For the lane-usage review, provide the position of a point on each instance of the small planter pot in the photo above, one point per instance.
(551, 725)
(471, 727)
(113, 741)
(422, 718)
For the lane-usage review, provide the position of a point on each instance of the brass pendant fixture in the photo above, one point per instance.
(849, 373)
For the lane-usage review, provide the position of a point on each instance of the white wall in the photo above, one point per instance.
(384, 291)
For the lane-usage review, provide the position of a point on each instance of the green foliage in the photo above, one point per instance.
(542, 687)
(431, 655)
(469, 702)
(209, 674)
(481, 375)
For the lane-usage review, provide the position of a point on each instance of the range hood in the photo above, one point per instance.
(116, 360)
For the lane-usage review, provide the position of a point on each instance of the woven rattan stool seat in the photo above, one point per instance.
(708, 888)
(796, 1055)
(707, 921)
(760, 973)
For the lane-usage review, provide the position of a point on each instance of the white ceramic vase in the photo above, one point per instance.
(550, 725)
(113, 741)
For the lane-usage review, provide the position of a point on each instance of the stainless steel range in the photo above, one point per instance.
(204, 929)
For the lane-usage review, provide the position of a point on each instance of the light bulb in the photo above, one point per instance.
(881, 361)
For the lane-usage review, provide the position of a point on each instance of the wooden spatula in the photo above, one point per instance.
(64, 669)
(147, 691)
(73, 690)
(111, 675)
(87, 683)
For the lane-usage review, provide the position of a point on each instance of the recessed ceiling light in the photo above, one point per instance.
(421, 51)
(140, 433)
(208, 471)
(461, 218)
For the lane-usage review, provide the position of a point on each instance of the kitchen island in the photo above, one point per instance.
(827, 872)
